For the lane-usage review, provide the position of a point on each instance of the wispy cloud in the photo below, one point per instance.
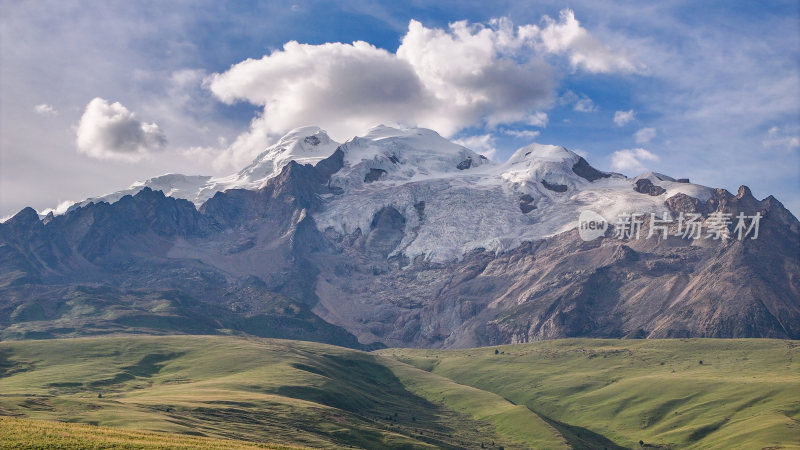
(633, 160)
(624, 117)
(483, 144)
(644, 135)
(523, 134)
(580, 103)
(45, 110)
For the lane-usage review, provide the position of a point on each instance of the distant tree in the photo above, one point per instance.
(701, 362)
(99, 395)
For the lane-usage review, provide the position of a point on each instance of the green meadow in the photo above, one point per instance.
(238, 392)
(680, 393)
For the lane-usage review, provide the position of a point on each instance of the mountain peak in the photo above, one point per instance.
(305, 145)
(543, 152)
(403, 154)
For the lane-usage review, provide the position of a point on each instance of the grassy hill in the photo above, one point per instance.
(26, 433)
(687, 393)
(231, 392)
(258, 390)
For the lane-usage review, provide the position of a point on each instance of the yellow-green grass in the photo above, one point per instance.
(601, 393)
(40, 434)
(579, 393)
(258, 390)
(517, 424)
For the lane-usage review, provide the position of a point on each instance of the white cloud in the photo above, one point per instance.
(446, 79)
(45, 110)
(58, 210)
(624, 117)
(537, 119)
(632, 159)
(580, 103)
(778, 139)
(482, 144)
(110, 131)
(585, 105)
(523, 134)
(644, 135)
(585, 51)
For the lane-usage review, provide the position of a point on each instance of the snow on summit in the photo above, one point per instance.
(305, 145)
(453, 200)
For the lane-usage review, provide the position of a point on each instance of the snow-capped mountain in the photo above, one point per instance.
(403, 238)
(304, 145)
(470, 201)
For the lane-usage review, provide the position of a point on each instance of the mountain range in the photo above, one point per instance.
(403, 238)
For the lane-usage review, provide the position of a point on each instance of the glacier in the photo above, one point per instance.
(453, 199)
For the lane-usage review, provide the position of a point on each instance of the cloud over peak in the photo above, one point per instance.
(467, 75)
(633, 160)
(110, 131)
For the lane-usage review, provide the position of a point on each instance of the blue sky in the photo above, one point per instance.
(96, 95)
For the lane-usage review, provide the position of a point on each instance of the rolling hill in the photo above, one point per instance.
(580, 393)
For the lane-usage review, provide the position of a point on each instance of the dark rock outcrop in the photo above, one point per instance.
(554, 187)
(584, 170)
(373, 175)
(526, 203)
(646, 186)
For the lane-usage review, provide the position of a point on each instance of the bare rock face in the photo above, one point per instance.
(374, 175)
(682, 203)
(555, 187)
(646, 186)
(584, 170)
(526, 204)
(465, 164)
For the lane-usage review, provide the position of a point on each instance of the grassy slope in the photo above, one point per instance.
(586, 393)
(517, 424)
(745, 394)
(26, 433)
(259, 390)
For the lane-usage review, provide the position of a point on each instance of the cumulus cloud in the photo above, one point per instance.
(644, 135)
(567, 36)
(482, 144)
(632, 159)
(450, 79)
(110, 131)
(624, 117)
(45, 110)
